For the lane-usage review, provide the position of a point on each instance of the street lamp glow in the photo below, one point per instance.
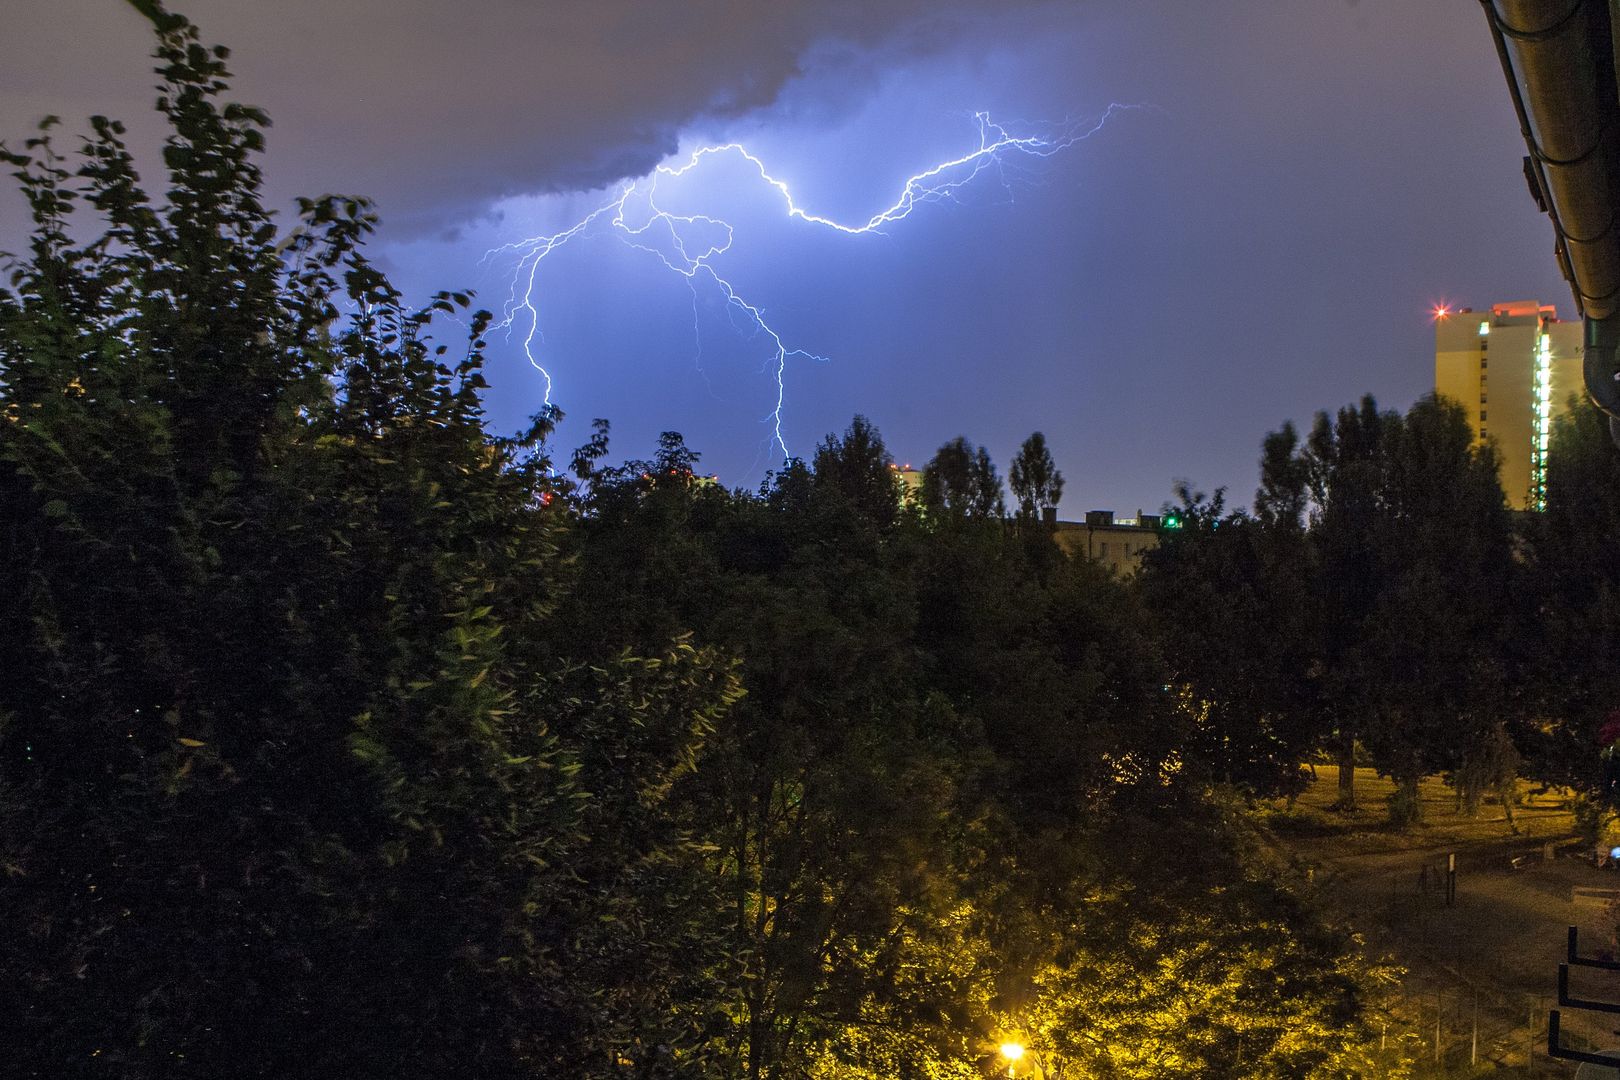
(1012, 1051)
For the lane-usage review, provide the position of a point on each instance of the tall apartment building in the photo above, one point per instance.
(1513, 368)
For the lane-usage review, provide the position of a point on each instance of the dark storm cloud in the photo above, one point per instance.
(437, 108)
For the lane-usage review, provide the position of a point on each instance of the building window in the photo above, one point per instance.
(1484, 362)
(1482, 419)
(1103, 550)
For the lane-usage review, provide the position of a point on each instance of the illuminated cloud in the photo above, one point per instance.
(437, 109)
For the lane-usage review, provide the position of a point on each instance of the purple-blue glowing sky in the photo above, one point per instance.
(1261, 239)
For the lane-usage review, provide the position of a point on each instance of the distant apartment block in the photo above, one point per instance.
(911, 482)
(1117, 543)
(1513, 368)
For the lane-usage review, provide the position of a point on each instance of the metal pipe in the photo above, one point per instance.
(1560, 63)
(1561, 73)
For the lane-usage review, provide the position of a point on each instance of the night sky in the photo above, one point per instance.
(1263, 235)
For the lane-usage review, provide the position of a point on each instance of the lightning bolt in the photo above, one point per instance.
(691, 244)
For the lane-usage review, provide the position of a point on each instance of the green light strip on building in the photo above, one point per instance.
(1541, 428)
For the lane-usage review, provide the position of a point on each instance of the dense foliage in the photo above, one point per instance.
(285, 762)
(1366, 602)
(1573, 587)
(341, 737)
(1380, 600)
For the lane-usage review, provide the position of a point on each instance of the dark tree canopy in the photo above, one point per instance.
(1370, 601)
(1034, 477)
(858, 466)
(961, 481)
(287, 778)
(340, 736)
(1573, 654)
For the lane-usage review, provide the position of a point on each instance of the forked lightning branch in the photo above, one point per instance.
(694, 245)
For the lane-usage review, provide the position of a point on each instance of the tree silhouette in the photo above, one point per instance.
(960, 481)
(1034, 477)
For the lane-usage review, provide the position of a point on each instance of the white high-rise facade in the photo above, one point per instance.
(1514, 368)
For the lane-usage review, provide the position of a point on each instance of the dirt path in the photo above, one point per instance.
(1487, 963)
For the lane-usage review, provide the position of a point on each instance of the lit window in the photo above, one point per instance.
(1484, 328)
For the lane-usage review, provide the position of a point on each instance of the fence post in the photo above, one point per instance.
(1473, 1047)
(1437, 1007)
(1530, 1045)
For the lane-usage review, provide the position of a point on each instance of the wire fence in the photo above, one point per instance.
(1463, 1008)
